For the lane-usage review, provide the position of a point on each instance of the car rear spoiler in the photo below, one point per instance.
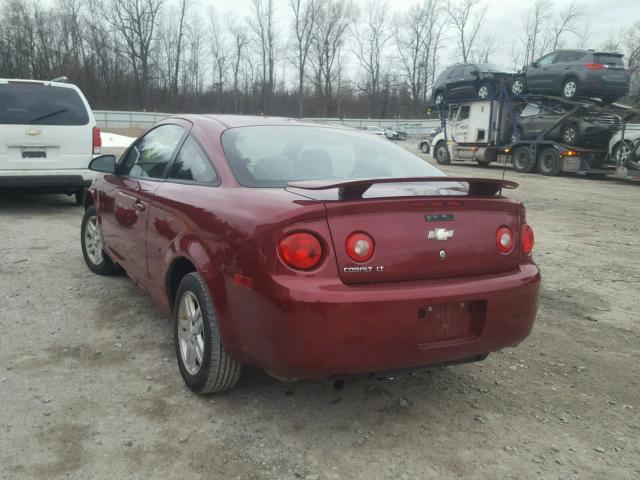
(355, 189)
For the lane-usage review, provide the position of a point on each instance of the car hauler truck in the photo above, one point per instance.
(486, 131)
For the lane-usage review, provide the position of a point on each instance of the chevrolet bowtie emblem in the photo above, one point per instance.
(440, 234)
(33, 132)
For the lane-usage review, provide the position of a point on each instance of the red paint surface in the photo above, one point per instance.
(417, 310)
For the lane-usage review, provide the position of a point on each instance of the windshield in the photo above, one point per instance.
(40, 104)
(272, 156)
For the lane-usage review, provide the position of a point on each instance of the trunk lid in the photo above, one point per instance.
(410, 232)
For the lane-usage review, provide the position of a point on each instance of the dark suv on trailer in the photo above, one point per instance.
(468, 80)
(576, 73)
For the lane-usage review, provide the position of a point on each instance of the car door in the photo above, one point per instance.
(539, 75)
(455, 82)
(176, 209)
(138, 174)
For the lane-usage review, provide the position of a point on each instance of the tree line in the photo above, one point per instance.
(324, 58)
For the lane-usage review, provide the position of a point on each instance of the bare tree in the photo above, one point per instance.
(535, 23)
(466, 17)
(370, 41)
(239, 45)
(333, 22)
(263, 25)
(305, 17)
(135, 23)
(219, 51)
(567, 21)
(632, 47)
(184, 5)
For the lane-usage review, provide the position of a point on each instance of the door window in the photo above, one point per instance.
(453, 112)
(530, 110)
(547, 59)
(464, 112)
(568, 57)
(149, 157)
(469, 70)
(457, 72)
(192, 164)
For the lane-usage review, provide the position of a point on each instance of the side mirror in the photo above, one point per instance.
(534, 64)
(103, 163)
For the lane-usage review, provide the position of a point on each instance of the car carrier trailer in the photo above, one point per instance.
(485, 131)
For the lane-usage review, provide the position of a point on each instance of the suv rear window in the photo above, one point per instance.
(39, 104)
(608, 60)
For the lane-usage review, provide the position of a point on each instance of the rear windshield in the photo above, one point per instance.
(272, 156)
(608, 60)
(39, 104)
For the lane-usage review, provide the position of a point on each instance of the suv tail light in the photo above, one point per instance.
(526, 239)
(300, 250)
(594, 66)
(97, 141)
(360, 247)
(504, 240)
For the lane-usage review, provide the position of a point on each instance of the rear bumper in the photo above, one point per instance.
(596, 86)
(58, 180)
(328, 329)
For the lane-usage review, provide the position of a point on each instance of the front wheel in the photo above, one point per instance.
(442, 154)
(485, 90)
(205, 365)
(425, 147)
(622, 152)
(438, 98)
(517, 87)
(570, 134)
(91, 241)
(549, 162)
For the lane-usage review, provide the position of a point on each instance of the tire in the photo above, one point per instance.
(485, 90)
(425, 147)
(570, 134)
(569, 89)
(438, 98)
(91, 241)
(622, 151)
(441, 154)
(195, 326)
(79, 194)
(522, 161)
(549, 162)
(518, 87)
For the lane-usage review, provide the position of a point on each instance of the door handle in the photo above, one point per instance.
(139, 206)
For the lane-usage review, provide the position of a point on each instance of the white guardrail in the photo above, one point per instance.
(117, 119)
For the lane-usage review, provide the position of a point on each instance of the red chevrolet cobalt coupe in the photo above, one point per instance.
(310, 251)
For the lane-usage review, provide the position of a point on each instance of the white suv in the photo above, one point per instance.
(48, 136)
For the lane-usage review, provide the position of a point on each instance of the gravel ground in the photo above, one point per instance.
(89, 387)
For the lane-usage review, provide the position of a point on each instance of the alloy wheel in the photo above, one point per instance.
(93, 240)
(517, 87)
(190, 333)
(570, 89)
(569, 135)
(483, 91)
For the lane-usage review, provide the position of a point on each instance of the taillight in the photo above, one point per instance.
(526, 239)
(300, 250)
(594, 66)
(97, 141)
(504, 240)
(360, 246)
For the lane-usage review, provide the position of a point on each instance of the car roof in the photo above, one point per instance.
(39, 82)
(234, 121)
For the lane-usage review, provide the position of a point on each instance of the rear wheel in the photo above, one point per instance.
(91, 241)
(205, 365)
(570, 134)
(441, 154)
(485, 90)
(622, 151)
(549, 162)
(522, 160)
(569, 89)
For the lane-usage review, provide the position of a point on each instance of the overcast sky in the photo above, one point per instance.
(605, 19)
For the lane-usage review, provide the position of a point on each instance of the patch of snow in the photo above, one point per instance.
(114, 140)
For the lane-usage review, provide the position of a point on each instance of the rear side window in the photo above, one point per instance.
(40, 104)
(192, 164)
(569, 57)
(457, 72)
(613, 60)
(149, 157)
